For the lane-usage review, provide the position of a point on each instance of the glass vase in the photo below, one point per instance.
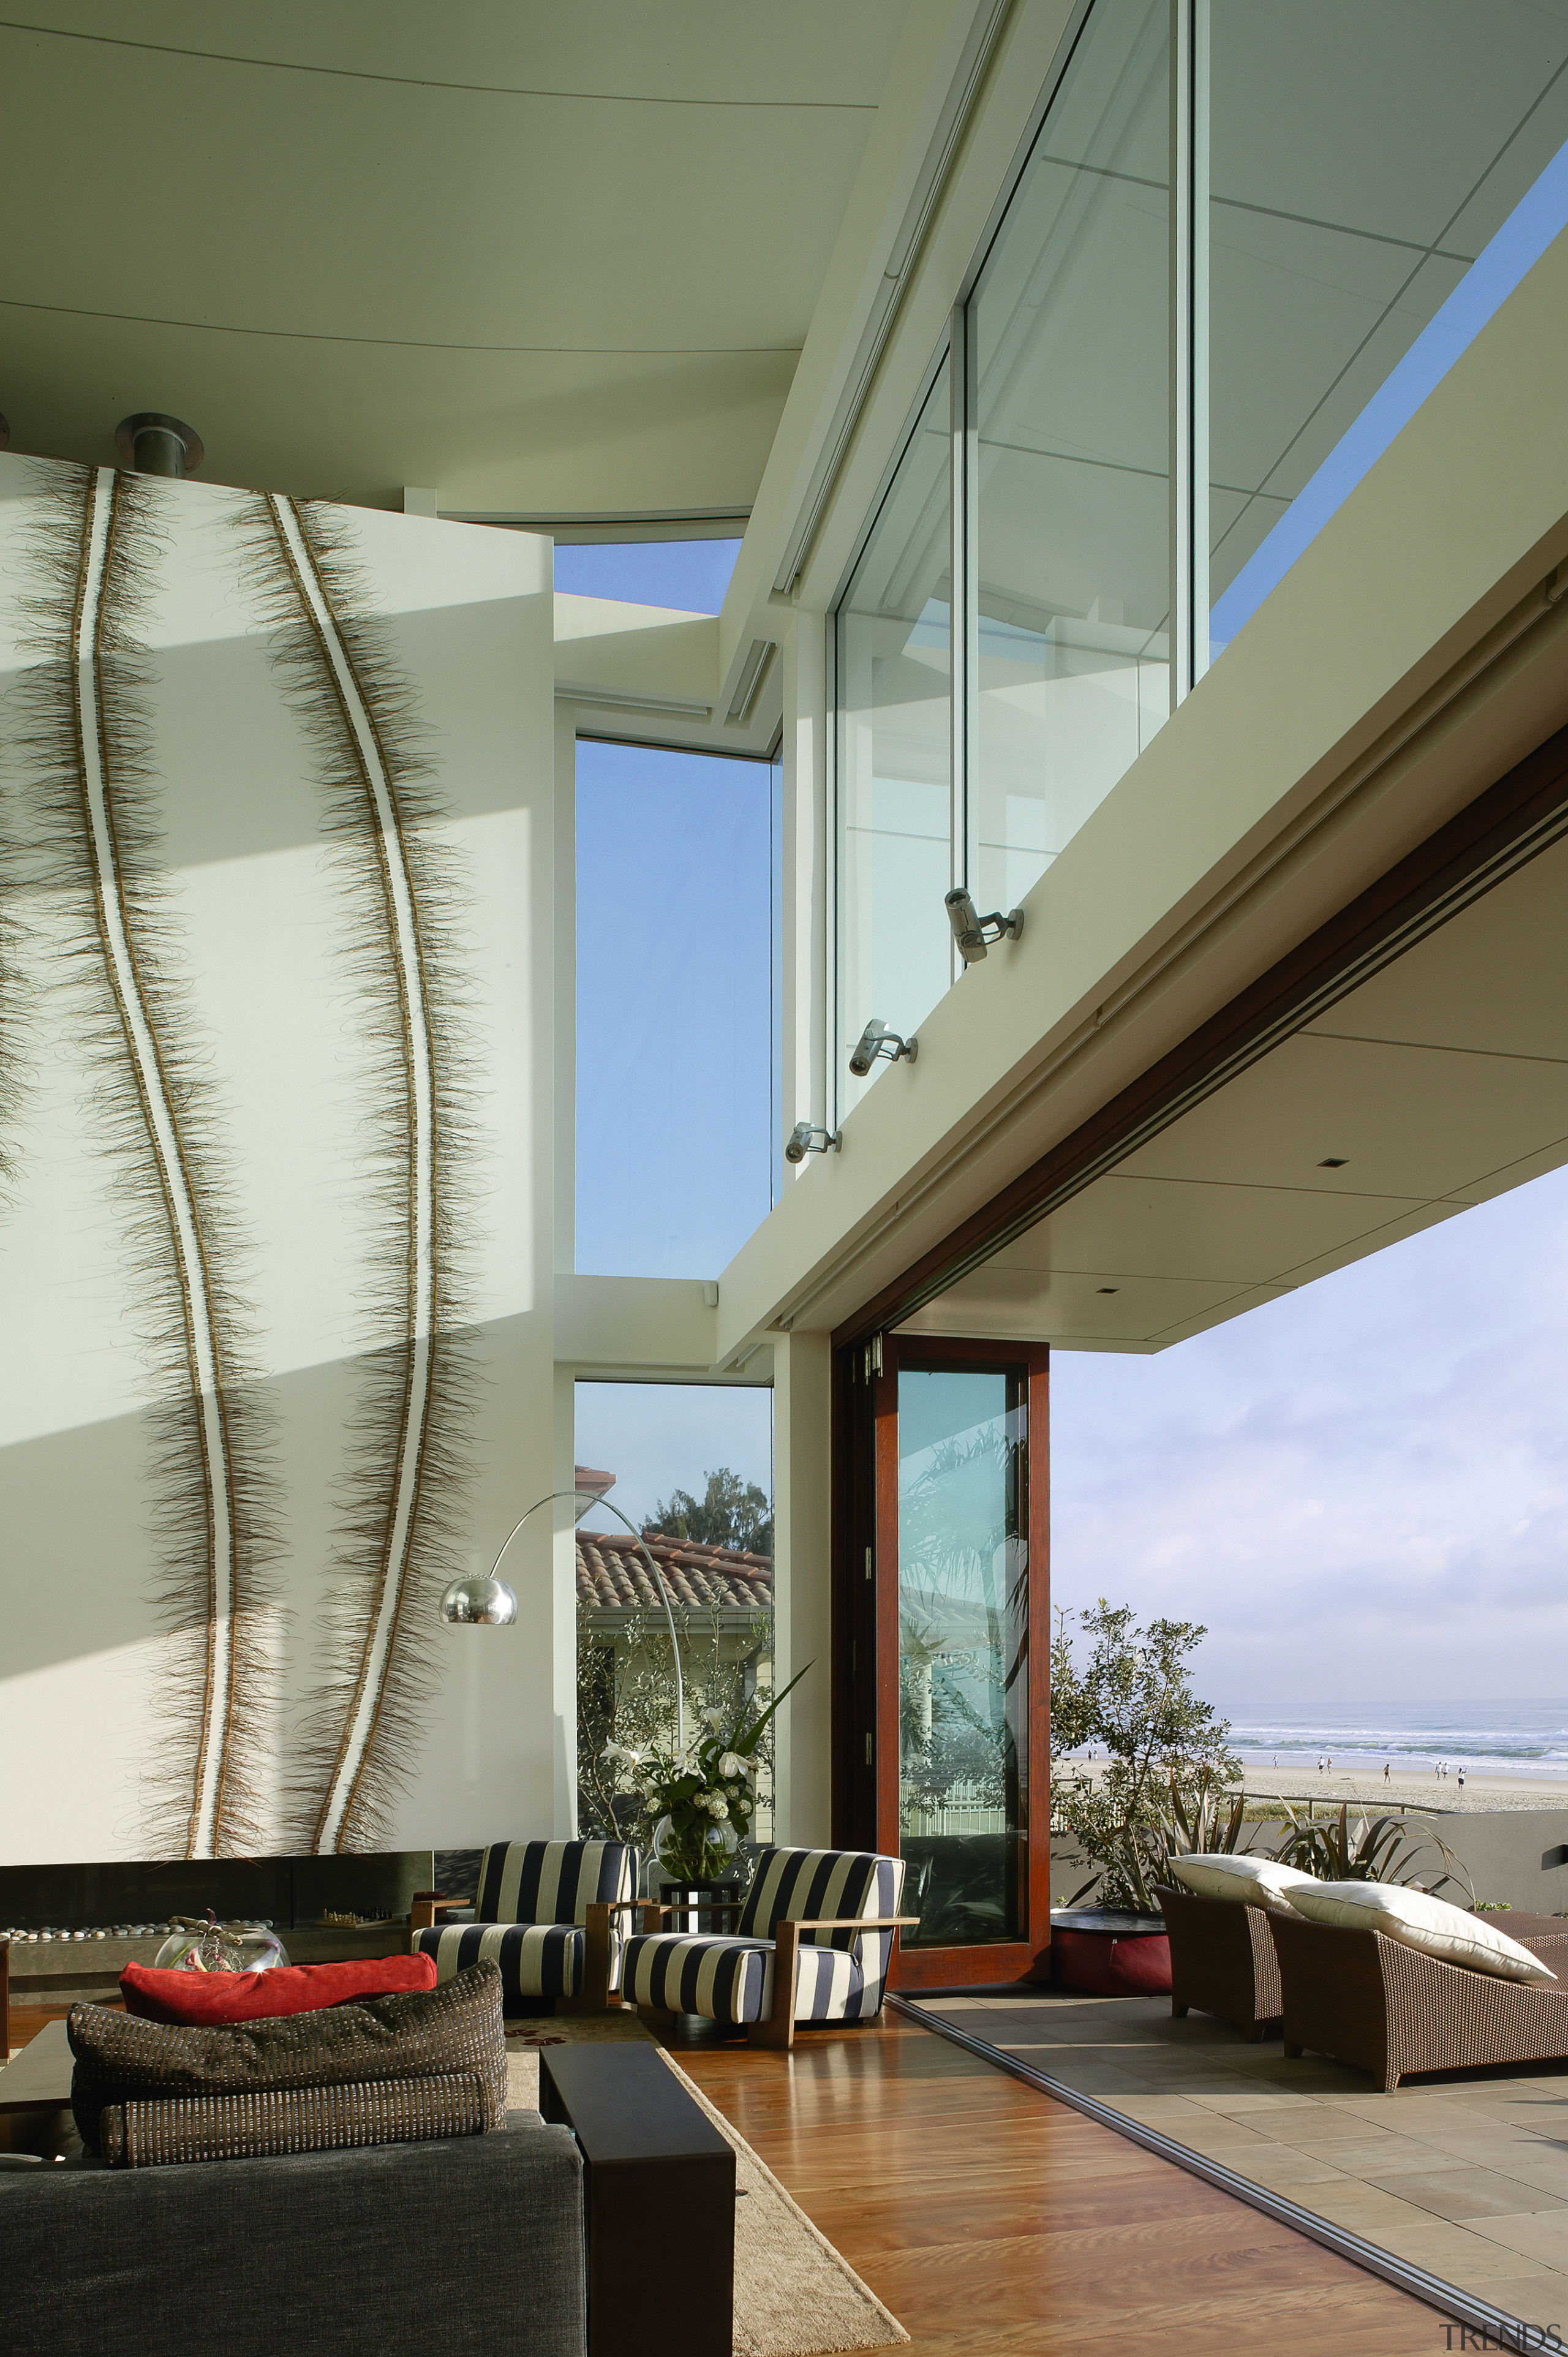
(699, 1853)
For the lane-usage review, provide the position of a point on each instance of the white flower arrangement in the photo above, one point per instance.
(702, 1799)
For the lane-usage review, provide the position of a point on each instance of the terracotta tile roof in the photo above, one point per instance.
(613, 1576)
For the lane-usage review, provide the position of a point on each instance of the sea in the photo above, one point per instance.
(1486, 1739)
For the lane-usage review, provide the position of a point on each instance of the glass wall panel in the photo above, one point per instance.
(895, 772)
(1361, 160)
(961, 1689)
(1070, 330)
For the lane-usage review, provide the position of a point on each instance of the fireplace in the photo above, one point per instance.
(73, 1929)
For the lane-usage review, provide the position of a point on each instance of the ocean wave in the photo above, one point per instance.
(1527, 1738)
(1524, 1739)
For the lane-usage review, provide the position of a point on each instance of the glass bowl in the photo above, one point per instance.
(214, 1947)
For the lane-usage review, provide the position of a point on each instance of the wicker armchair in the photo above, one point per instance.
(1383, 2007)
(1222, 1961)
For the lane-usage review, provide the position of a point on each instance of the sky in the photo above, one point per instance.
(656, 1437)
(675, 1014)
(689, 574)
(1361, 1488)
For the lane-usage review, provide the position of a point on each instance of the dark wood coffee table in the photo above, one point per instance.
(659, 2193)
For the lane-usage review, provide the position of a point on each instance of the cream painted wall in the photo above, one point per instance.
(254, 929)
(803, 1373)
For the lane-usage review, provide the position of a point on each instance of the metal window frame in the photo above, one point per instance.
(1187, 389)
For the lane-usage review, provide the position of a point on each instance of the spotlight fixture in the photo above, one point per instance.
(877, 1040)
(972, 933)
(803, 1140)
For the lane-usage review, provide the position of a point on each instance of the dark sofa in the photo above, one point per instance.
(471, 2245)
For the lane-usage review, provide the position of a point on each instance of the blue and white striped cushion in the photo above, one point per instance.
(536, 1959)
(551, 1882)
(796, 1883)
(731, 1979)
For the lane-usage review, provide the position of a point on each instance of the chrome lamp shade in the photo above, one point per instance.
(479, 1602)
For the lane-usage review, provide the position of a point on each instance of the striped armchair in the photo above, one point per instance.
(814, 1943)
(531, 1915)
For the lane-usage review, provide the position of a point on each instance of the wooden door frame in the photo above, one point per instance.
(865, 1802)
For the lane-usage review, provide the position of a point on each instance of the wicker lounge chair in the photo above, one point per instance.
(1222, 1961)
(1371, 2001)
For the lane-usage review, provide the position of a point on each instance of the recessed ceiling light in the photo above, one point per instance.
(1109, 1288)
(1334, 1162)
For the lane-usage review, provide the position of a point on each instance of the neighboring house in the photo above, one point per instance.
(721, 1597)
(614, 1582)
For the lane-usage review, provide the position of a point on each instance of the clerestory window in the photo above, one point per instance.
(1248, 238)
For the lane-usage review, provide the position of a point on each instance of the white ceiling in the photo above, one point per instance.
(543, 257)
(1439, 1084)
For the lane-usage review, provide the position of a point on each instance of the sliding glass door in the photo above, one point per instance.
(950, 1768)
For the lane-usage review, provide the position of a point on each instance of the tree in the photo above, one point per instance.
(1072, 1712)
(1169, 1752)
(734, 1513)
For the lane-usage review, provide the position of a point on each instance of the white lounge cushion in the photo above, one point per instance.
(1256, 1881)
(1419, 1921)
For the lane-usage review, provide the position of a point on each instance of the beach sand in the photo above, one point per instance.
(1406, 1788)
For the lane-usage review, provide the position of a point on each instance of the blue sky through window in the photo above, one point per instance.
(689, 574)
(674, 1008)
(1539, 217)
(660, 1437)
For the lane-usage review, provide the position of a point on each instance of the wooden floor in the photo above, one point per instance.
(990, 2219)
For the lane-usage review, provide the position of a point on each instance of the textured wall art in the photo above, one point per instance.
(410, 1456)
(275, 819)
(155, 1122)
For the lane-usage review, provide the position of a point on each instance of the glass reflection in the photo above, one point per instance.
(961, 1683)
(894, 793)
(1071, 346)
(1340, 223)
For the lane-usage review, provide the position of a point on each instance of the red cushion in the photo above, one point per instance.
(1113, 1963)
(200, 1999)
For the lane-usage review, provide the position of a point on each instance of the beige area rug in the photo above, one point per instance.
(794, 2296)
(1465, 2175)
(571, 2030)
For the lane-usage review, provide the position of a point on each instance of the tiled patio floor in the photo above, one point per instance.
(1465, 2176)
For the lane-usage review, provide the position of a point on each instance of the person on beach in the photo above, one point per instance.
(1385, 1771)
(1461, 1780)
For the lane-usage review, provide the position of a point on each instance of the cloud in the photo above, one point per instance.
(1363, 1489)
